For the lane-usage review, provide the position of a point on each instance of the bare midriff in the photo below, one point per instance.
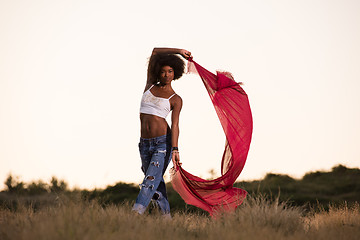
(153, 126)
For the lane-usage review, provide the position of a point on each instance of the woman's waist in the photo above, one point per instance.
(153, 126)
(156, 140)
(152, 120)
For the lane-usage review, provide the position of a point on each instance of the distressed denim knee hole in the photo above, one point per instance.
(156, 196)
(146, 186)
(156, 164)
(151, 178)
(161, 151)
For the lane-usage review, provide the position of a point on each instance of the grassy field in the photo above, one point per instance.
(321, 205)
(256, 218)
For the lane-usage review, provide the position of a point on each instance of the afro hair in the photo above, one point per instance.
(158, 61)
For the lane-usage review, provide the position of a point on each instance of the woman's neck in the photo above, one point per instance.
(164, 86)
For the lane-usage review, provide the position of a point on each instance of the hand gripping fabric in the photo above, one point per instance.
(232, 107)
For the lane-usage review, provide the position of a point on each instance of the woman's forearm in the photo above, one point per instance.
(174, 136)
(167, 51)
(185, 53)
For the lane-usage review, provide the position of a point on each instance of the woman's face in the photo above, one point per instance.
(166, 74)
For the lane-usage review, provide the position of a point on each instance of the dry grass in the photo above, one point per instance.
(339, 222)
(257, 218)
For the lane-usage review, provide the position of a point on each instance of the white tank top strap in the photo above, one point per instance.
(151, 87)
(171, 96)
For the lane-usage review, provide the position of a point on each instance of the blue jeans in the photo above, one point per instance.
(155, 157)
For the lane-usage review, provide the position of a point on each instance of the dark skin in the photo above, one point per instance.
(154, 126)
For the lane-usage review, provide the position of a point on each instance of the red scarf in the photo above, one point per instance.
(232, 107)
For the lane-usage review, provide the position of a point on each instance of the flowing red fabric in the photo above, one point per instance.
(232, 107)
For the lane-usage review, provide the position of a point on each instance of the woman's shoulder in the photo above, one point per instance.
(148, 86)
(176, 99)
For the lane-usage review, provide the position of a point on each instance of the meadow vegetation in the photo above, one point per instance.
(256, 218)
(314, 188)
(323, 210)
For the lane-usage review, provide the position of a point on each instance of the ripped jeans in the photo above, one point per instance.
(155, 157)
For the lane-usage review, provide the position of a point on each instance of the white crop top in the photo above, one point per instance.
(153, 105)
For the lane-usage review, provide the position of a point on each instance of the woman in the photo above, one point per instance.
(158, 142)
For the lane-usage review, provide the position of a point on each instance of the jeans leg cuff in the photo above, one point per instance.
(167, 216)
(140, 209)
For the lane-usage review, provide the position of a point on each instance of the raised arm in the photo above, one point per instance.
(152, 79)
(186, 54)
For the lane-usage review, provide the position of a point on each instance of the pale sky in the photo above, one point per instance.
(72, 74)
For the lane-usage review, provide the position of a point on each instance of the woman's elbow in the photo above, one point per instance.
(154, 51)
(175, 126)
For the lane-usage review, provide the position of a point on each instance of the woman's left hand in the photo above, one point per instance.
(186, 54)
(176, 158)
